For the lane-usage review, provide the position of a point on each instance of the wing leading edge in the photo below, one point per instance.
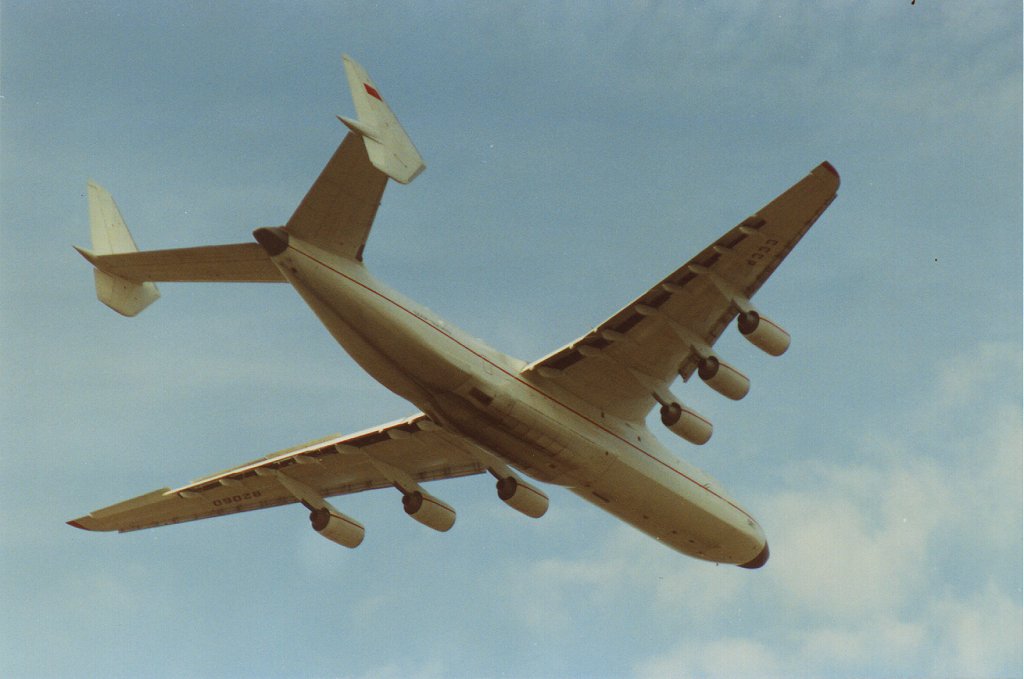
(621, 363)
(336, 465)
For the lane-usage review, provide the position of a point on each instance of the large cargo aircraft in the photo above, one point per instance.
(575, 418)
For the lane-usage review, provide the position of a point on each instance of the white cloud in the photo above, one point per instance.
(546, 589)
(852, 543)
(735, 658)
(872, 564)
(393, 670)
(866, 556)
(982, 633)
(627, 567)
(882, 641)
(963, 378)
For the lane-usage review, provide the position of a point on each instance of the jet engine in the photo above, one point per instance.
(337, 527)
(428, 510)
(723, 378)
(522, 497)
(762, 333)
(686, 423)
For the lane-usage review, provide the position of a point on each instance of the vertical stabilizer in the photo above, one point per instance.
(388, 146)
(110, 236)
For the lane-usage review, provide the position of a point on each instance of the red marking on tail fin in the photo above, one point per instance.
(372, 92)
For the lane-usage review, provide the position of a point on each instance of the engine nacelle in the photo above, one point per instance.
(723, 378)
(686, 423)
(428, 510)
(762, 333)
(337, 527)
(522, 497)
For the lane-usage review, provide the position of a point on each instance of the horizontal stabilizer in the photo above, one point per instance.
(388, 146)
(110, 236)
(236, 263)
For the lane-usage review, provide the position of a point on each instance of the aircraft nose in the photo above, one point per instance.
(759, 560)
(273, 239)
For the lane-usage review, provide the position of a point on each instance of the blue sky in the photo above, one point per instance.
(576, 153)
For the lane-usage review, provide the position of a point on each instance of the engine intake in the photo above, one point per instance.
(522, 497)
(763, 333)
(428, 510)
(686, 423)
(723, 378)
(337, 527)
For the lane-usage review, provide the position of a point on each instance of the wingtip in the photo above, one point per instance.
(77, 523)
(92, 524)
(831, 168)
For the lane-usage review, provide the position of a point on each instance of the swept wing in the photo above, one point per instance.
(662, 333)
(337, 465)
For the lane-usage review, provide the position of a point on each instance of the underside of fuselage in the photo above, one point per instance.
(477, 393)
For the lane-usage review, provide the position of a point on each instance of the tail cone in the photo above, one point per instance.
(273, 239)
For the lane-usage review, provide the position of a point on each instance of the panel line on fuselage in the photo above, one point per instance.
(521, 381)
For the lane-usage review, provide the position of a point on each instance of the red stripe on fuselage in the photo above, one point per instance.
(524, 382)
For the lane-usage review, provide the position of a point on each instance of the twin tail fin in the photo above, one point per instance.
(337, 213)
(110, 236)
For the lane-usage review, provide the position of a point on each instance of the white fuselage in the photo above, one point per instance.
(529, 422)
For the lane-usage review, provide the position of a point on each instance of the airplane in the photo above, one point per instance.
(575, 418)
